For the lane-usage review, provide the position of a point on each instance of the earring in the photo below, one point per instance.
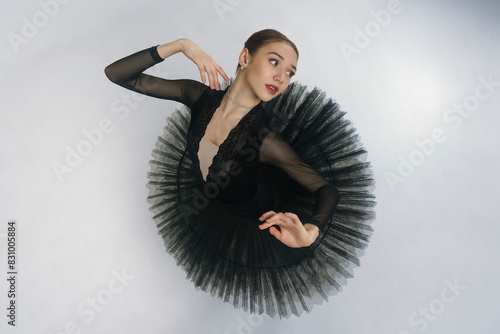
(242, 67)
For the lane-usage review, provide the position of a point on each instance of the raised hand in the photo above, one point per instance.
(206, 65)
(291, 231)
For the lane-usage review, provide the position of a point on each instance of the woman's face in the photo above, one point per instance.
(269, 71)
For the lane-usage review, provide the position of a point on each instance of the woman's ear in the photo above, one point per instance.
(244, 57)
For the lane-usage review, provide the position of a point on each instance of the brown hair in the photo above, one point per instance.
(263, 37)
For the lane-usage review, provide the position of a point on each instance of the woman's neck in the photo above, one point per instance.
(242, 95)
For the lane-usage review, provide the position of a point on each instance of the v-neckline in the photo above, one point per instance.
(230, 131)
(209, 141)
(223, 145)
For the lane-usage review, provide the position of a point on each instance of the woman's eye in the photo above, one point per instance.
(274, 62)
(290, 74)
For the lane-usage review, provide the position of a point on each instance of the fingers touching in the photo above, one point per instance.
(211, 69)
(280, 219)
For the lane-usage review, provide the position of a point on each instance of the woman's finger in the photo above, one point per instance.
(214, 79)
(270, 217)
(267, 214)
(210, 81)
(294, 217)
(202, 73)
(278, 219)
(268, 224)
(221, 72)
(276, 216)
(277, 233)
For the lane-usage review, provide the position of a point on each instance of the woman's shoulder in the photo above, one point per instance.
(206, 97)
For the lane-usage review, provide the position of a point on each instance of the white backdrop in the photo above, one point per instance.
(419, 79)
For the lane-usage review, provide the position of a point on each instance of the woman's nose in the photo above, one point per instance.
(279, 76)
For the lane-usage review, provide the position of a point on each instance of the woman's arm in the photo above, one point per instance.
(276, 152)
(205, 63)
(128, 72)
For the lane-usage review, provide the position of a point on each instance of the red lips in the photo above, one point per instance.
(272, 89)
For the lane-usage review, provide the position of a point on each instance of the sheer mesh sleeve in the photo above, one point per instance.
(276, 152)
(128, 72)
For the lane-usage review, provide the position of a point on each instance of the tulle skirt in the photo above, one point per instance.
(227, 255)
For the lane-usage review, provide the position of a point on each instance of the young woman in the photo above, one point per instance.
(242, 184)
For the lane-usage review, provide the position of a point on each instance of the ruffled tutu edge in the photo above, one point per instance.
(319, 133)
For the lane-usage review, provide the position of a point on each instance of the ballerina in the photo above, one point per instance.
(237, 205)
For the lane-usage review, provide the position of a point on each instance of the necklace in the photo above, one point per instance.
(238, 104)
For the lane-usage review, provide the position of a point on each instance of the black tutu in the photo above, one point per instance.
(227, 255)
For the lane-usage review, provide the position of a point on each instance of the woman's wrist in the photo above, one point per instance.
(183, 44)
(312, 230)
(168, 49)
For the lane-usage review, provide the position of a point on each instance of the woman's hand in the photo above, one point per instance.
(291, 230)
(205, 63)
